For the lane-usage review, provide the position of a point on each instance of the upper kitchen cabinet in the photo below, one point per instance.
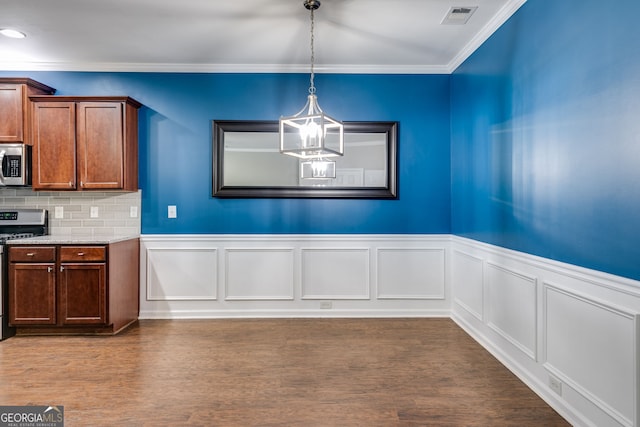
(85, 143)
(15, 111)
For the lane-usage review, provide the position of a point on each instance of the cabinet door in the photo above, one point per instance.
(100, 145)
(82, 293)
(54, 147)
(32, 294)
(11, 125)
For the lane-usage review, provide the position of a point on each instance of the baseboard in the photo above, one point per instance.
(281, 314)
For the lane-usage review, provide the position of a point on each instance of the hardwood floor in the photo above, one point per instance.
(285, 372)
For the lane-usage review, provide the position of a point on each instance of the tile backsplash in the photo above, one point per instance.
(114, 210)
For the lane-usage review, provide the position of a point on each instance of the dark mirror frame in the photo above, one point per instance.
(390, 129)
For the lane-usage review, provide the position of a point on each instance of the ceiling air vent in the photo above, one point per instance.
(459, 15)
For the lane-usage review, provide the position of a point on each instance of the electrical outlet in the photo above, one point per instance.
(172, 211)
(326, 305)
(133, 212)
(59, 212)
(94, 212)
(555, 384)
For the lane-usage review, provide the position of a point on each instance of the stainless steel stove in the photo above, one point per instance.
(16, 224)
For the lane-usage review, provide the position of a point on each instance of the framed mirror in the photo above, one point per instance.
(247, 163)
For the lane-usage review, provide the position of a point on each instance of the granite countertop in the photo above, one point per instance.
(64, 239)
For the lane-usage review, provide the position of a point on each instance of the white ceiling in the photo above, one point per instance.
(351, 36)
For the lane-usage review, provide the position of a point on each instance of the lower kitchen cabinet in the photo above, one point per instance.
(33, 293)
(57, 289)
(82, 282)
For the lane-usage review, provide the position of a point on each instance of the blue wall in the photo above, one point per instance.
(546, 135)
(176, 156)
(532, 144)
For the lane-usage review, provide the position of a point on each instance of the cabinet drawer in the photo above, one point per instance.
(32, 254)
(82, 253)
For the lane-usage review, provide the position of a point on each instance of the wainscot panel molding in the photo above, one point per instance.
(218, 276)
(606, 337)
(185, 274)
(570, 333)
(411, 273)
(512, 307)
(468, 277)
(259, 274)
(335, 273)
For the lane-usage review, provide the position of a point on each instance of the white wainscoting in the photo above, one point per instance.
(468, 277)
(259, 274)
(569, 333)
(335, 273)
(411, 273)
(214, 276)
(605, 338)
(512, 307)
(189, 274)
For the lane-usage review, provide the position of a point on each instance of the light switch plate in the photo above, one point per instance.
(172, 211)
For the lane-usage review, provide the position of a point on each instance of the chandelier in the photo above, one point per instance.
(312, 134)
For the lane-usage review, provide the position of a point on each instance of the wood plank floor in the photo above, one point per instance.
(285, 372)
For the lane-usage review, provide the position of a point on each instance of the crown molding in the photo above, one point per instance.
(224, 68)
(492, 26)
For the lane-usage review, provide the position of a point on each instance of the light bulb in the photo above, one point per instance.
(319, 168)
(310, 134)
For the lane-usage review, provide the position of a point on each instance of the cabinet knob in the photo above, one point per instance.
(70, 184)
(80, 253)
(30, 254)
(49, 269)
(61, 268)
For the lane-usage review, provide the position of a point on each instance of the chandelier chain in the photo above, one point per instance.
(312, 88)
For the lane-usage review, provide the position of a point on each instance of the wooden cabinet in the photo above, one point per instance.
(73, 289)
(85, 143)
(32, 286)
(15, 111)
(82, 282)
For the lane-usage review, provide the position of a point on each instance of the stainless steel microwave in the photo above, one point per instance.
(16, 165)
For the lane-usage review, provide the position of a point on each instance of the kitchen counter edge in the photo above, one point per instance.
(72, 240)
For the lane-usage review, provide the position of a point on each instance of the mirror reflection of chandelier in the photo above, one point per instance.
(318, 168)
(311, 134)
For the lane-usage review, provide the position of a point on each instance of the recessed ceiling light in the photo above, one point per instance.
(14, 34)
